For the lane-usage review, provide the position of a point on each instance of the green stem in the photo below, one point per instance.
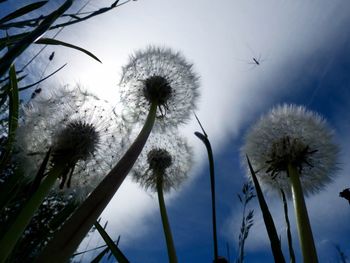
(303, 224)
(205, 140)
(166, 226)
(289, 234)
(15, 231)
(65, 241)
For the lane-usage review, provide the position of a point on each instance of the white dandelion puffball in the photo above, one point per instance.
(84, 134)
(291, 134)
(161, 75)
(164, 154)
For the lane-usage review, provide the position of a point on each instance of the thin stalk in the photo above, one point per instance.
(241, 245)
(289, 234)
(165, 221)
(10, 238)
(304, 228)
(204, 138)
(65, 241)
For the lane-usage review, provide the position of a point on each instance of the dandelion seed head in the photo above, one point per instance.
(291, 134)
(83, 132)
(159, 160)
(76, 141)
(163, 76)
(166, 155)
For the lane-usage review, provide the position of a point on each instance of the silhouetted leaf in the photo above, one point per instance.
(117, 253)
(28, 39)
(99, 256)
(270, 225)
(36, 83)
(22, 11)
(12, 118)
(40, 174)
(51, 41)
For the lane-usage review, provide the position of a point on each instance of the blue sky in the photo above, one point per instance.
(304, 49)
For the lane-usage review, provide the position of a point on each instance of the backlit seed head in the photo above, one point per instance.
(158, 160)
(290, 134)
(76, 141)
(163, 76)
(157, 88)
(165, 157)
(85, 136)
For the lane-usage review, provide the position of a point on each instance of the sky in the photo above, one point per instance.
(304, 53)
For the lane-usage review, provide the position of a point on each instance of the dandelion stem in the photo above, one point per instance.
(304, 229)
(15, 231)
(165, 221)
(64, 243)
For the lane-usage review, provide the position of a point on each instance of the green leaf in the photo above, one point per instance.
(13, 117)
(18, 48)
(10, 40)
(99, 257)
(289, 234)
(117, 253)
(270, 225)
(51, 41)
(40, 174)
(22, 11)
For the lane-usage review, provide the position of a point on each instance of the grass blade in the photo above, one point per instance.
(13, 117)
(40, 174)
(22, 11)
(26, 41)
(289, 234)
(117, 253)
(99, 257)
(51, 41)
(41, 80)
(270, 225)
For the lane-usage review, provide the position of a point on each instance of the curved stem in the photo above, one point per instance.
(68, 238)
(14, 233)
(205, 140)
(165, 221)
(304, 228)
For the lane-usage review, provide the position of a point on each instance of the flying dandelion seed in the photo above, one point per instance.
(85, 136)
(292, 134)
(167, 155)
(163, 76)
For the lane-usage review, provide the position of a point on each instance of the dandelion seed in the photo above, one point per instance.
(163, 76)
(79, 130)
